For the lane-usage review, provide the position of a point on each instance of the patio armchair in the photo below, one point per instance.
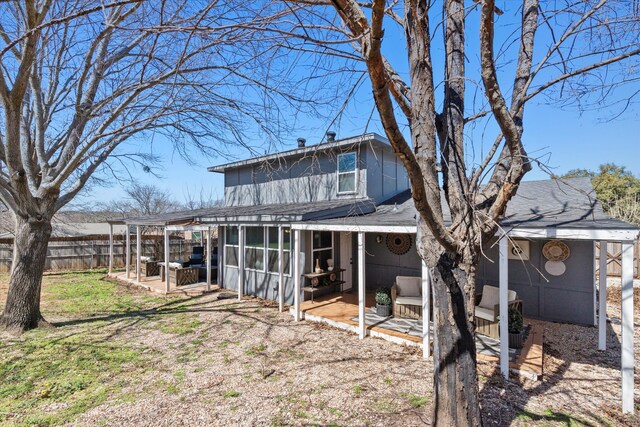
(406, 297)
(487, 310)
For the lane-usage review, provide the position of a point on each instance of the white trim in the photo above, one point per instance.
(627, 362)
(504, 306)
(227, 245)
(426, 311)
(138, 252)
(110, 248)
(362, 326)
(127, 262)
(354, 172)
(208, 264)
(575, 234)
(354, 228)
(280, 249)
(167, 250)
(221, 256)
(189, 227)
(281, 267)
(296, 275)
(602, 296)
(241, 265)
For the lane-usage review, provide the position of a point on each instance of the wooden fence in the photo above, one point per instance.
(614, 259)
(87, 252)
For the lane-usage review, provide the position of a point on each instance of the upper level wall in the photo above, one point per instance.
(314, 178)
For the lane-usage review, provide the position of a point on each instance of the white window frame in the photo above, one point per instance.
(264, 248)
(314, 250)
(227, 245)
(354, 172)
(287, 274)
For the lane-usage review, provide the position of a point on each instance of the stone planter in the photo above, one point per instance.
(383, 310)
(516, 340)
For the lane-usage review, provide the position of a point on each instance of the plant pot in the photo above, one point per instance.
(383, 310)
(516, 340)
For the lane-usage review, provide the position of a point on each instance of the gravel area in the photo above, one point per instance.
(217, 361)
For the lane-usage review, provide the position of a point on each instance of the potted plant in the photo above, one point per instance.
(516, 337)
(383, 302)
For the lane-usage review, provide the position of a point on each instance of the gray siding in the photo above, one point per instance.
(382, 266)
(308, 179)
(566, 298)
(386, 176)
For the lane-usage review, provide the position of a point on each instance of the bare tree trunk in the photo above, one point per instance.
(22, 308)
(455, 375)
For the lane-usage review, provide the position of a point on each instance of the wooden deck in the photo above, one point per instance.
(339, 310)
(155, 284)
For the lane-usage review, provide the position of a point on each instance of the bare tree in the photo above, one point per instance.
(575, 52)
(79, 78)
(141, 200)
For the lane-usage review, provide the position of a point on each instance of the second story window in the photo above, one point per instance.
(347, 172)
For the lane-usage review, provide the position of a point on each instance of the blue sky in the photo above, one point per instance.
(562, 138)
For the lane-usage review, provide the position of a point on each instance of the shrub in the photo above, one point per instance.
(515, 321)
(383, 296)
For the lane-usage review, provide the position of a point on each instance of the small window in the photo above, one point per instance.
(231, 246)
(254, 248)
(347, 171)
(322, 248)
(273, 250)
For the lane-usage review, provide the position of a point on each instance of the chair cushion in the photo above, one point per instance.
(175, 265)
(408, 286)
(486, 314)
(491, 296)
(409, 300)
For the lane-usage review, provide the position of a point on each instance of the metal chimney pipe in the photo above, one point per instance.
(331, 136)
(301, 142)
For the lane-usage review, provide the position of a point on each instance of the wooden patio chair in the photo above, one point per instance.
(406, 297)
(487, 310)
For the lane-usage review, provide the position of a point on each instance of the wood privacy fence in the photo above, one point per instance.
(87, 252)
(614, 259)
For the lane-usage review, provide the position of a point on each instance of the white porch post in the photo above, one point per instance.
(221, 256)
(280, 269)
(296, 275)
(138, 250)
(426, 311)
(362, 327)
(208, 264)
(627, 364)
(110, 248)
(504, 308)
(602, 298)
(127, 261)
(240, 261)
(167, 249)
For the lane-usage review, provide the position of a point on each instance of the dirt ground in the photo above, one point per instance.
(212, 360)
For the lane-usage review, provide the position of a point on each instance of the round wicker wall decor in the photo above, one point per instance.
(399, 244)
(556, 250)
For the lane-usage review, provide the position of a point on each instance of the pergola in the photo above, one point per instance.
(604, 235)
(174, 221)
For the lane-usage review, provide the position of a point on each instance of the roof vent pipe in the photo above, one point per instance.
(331, 136)
(301, 142)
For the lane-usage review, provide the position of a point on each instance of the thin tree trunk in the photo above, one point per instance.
(455, 375)
(22, 308)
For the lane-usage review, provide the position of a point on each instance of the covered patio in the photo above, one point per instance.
(167, 275)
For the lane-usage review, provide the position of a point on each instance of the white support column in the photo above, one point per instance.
(167, 250)
(362, 326)
(296, 275)
(240, 261)
(504, 306)
(426, 312)
(628, 362)
(602, 298)
(280, 269)
(208, 263)
(127, 261)
(221, 260)
(110, 248)
(138, 251)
